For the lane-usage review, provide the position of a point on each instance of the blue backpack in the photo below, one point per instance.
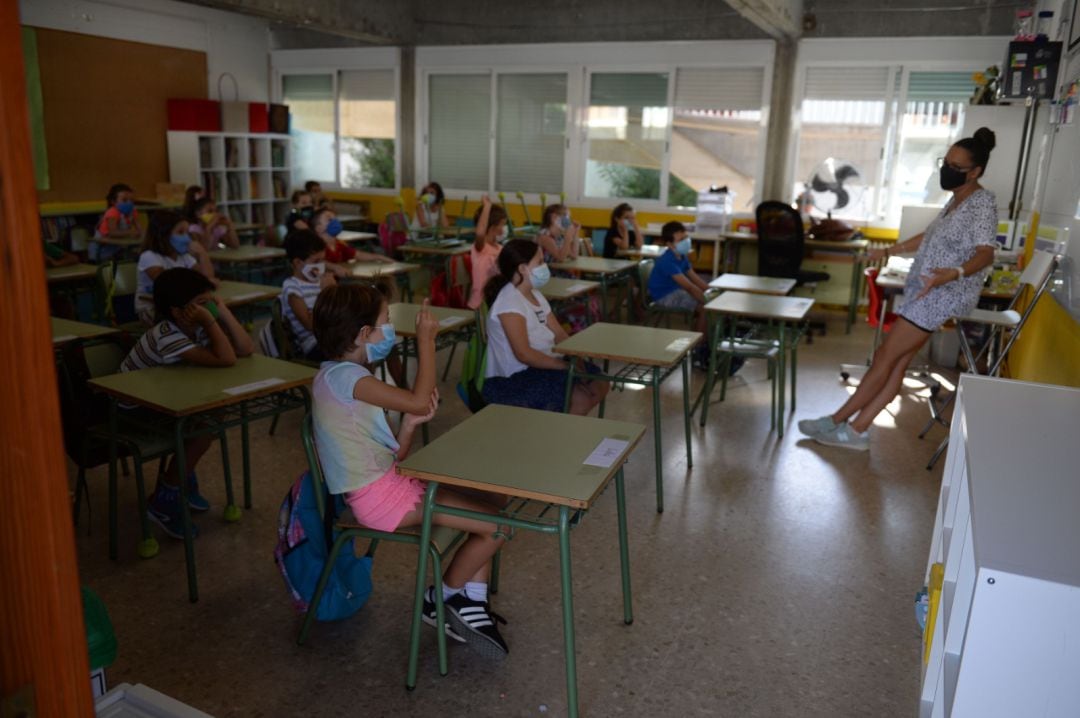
(304, 538)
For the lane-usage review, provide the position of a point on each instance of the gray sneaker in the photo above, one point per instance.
(844, 437)
(813, 427)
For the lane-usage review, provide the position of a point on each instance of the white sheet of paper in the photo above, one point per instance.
(606, 452)
(253, 386)
(678, 345)
(450, 321)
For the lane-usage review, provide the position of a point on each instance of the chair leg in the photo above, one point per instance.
(937, 454)
(148, 546)
(449, 361)
(493, 581)
(232, 511)
(273, 422)
(440, 610)
(370, 553)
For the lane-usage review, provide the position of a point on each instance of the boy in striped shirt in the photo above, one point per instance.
(307, 257)
(194, 328)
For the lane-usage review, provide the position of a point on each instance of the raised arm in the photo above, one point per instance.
(408, 401)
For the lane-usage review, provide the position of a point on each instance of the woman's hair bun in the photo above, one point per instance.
(986, 137)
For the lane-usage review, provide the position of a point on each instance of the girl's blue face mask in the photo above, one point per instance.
(626, 224)
(565, 221)
(180, 242)
(540, 276)
(377, 351)
(334, 227)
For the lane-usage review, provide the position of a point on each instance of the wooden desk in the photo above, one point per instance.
(647, 251)
(606, 270)
(856, 248)
(240, 262)
(71, 273)
(347, 235)
(238, 294)
(531, 471)
(649, 356)
(194, 401)
(729, 281)
(371, 272)
(65, 331)
(436, 253)
(560, 288)
(779, 310)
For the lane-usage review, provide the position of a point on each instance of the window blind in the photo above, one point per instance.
(366, 85)
(637, 89)
(530, 133)
(940, 86)
(719, 88)
(307, 87)
(459, 130)
(846, 83)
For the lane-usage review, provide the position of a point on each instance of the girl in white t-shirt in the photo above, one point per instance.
(522, 367)
(167, 245)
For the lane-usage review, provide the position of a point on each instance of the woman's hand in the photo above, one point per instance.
(415, 420)
(937, 277)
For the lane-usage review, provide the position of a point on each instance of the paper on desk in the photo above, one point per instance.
(579, 287)
(450, 321)
(606, 453)
(253, 386)
(679, 344)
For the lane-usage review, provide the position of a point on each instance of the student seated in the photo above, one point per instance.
(522, 367)
(558, 235)
(192, 195)
(307, 257)
(209, 227)
(193, 328)
(623, 232)
(301, 212)
(167, 245)
(327, 226)
(673, 283)
(55, 256)
(359, 451)
(491, 231)
(121, 219)
(431, 207)
(318, 199)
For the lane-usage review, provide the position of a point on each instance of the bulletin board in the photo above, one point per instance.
(104, 110)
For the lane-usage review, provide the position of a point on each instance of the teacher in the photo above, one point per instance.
(951, 259)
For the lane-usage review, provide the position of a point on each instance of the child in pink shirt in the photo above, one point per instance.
(121, 219)
(491, 229)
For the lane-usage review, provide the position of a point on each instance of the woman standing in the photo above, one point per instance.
(951, 259)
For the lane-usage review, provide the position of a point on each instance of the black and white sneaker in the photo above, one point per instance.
(429, 616)
(475, 621)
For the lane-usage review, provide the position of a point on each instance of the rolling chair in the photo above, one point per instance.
(781, 248)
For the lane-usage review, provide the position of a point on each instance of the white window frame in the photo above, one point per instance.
(333, 62)
(900, 55)
(578, 62)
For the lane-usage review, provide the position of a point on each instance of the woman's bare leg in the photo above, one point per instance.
(892, 386)
(901, 342)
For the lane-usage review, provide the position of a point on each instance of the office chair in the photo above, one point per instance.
(781, 248)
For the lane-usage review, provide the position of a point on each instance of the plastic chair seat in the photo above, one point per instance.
(1006, 318)
(442, 537)
(808, 277)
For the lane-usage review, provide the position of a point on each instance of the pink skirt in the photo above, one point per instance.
(383, 503)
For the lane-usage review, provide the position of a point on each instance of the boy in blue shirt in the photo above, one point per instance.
(673, 283)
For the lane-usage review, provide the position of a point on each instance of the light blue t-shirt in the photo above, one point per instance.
(356, 446)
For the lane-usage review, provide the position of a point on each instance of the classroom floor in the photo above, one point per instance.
(779, 581)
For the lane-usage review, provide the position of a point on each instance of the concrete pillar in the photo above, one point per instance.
(407, 108)
(778, 134)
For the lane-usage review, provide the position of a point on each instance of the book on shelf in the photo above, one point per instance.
(235, 188)
(277, 154)
(280, 189)
(211, 184)
(253, 155)
(206, 156)
(232, 153)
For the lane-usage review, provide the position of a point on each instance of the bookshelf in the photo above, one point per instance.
(1004, 552)
(247, 174)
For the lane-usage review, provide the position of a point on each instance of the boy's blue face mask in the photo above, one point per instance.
(377, 351)
(683, 246)
(334, 227)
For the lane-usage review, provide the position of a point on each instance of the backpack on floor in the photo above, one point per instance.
(303, 544)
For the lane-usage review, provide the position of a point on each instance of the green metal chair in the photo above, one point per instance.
(654, 311)
(117, 285)
(443, 541)
(286, 350)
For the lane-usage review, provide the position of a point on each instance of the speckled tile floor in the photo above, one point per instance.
(778, 582)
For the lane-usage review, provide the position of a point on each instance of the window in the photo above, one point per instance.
(367, 126)
(530, 133)
(311, 105)
(842, 140)
(459, 122)
(716, 136)
(627, 132)
(932, 120)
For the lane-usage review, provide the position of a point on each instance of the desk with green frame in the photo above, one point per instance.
(65, 331)
(648, 356)
(455, 325)
(517, 461)
(436, 253)
(609, 272)
(196, 401)
(563, 291)
(72, 280)
(247, 259)
(855, 247)
(777, 313)
(371, 272)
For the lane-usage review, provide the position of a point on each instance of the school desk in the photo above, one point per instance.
(70, 273)
(65, 331)
(455, 325)
(243, 260)
(560, 290)
(370, 272)
(238, 294)
(608, 271)
(129, 246)
(729, 281)
(781, 312)
(347, 235)
(856, 248)
(648, 356)
(544, 461)
(197, 401)
(437, 252)
(646, 251)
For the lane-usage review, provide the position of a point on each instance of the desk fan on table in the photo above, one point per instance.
(835, 185)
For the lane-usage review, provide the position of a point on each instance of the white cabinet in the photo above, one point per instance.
(1006, 637)
(247, 174)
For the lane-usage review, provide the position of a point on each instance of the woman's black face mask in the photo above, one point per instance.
(952, 178)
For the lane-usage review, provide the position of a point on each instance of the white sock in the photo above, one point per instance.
(476, 591)
(447, 592)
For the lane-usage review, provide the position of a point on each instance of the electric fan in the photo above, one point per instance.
(835, 185)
